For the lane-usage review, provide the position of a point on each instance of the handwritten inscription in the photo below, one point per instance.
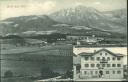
(16, 6)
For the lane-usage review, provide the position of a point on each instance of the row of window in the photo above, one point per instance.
(103, 65)
(105, 72)
(103, 58)
(105, 54)
(75, 38)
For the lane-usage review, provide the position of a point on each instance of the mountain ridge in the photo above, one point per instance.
(69, 20)
(90, 17)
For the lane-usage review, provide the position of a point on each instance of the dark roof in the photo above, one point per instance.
(87, 54)
(120, 54)
(91, 54)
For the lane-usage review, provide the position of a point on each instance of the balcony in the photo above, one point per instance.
(103, 61)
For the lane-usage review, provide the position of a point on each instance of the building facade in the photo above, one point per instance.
(101, 64)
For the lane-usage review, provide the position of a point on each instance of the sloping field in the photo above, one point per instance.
(31, 62)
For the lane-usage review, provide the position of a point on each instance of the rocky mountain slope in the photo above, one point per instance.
(90, 17)
(79, 20)
(27, 23)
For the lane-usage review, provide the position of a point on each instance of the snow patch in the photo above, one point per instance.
(29, 32)
(81, 27)
(6, 22)
(8, 34)
(61, 25)
(39, 32)
(46, 32)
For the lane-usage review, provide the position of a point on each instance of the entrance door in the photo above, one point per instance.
(100, 73)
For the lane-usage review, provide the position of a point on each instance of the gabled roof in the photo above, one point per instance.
(91, 54)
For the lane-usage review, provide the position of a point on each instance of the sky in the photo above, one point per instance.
(14, 8)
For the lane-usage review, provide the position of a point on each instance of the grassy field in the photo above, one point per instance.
(57, 58)
(17, 80)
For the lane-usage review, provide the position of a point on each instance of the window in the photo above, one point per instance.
(98, 58)
(96, 72)
(114, 58)
(106, 54)
(118, 72)
(85, 72)
(91, 72)
(118, 58)
(92, 58)
(100, 53)
(103, 58)
(113, 65)
(103, 65)
(86, 65)
(108, 65)
(113, 72)
(86, 58)
(118, 65)
(107, 72)
(92, 65)
(98, 65)
(108, 58)
(71, 38)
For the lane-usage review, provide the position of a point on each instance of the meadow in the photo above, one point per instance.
(30, 64)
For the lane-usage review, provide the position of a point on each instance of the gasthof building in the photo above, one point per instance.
(101, 64)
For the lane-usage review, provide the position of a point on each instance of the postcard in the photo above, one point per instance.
(63, 40)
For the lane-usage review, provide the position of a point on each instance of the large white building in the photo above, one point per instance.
(101, 63)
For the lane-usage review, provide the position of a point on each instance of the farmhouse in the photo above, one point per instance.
(84, 39)
(76, 37)
(100, 64)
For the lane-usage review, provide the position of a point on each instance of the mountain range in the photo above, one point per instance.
(71, 20)
(90, 17)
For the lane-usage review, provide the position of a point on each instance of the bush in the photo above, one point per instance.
(68, 74)
(8, 74)
(46, 72)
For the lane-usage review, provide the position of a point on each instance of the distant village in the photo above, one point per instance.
(59, 38)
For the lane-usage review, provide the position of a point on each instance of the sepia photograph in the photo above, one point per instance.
(63, 40)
